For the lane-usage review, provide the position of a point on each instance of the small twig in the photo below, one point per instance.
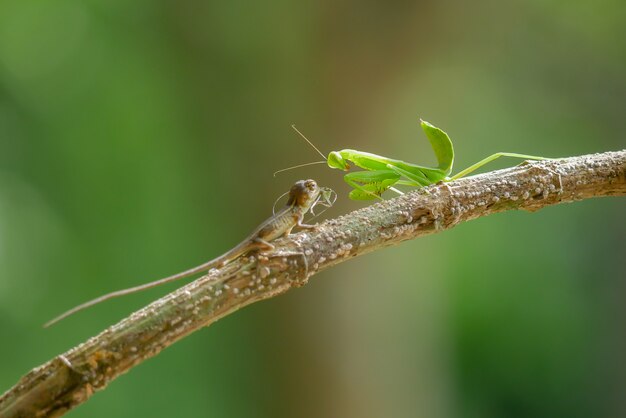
(71, 378)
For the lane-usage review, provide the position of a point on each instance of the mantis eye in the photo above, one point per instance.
(335, 160)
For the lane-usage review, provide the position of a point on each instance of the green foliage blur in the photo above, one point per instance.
(139, 138)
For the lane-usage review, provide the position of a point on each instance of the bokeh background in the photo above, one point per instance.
(139, 138)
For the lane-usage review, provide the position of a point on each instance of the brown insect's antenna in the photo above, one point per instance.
(276, 201)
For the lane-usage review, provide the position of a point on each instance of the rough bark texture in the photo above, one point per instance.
(70, 379)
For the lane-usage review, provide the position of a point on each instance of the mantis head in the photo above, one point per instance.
(335, 160)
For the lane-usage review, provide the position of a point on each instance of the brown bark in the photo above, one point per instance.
(70, 379)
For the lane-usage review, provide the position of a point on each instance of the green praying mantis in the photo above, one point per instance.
(383, 173)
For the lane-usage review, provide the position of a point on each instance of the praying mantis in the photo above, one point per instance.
(382, 173)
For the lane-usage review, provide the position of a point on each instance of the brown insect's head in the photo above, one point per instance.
(303, 193)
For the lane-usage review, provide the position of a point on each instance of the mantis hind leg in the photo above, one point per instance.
(417, 179)
(489, 159)
(369, 185)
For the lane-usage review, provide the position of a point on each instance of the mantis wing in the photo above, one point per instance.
(442, 146)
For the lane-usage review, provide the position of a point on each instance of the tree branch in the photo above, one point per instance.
(70, 379)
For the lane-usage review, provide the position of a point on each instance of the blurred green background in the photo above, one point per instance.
(138, 139)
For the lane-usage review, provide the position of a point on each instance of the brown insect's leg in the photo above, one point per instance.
(263, 245)
(305, 226)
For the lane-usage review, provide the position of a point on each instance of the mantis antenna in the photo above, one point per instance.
(298, 166)
(305, 164)
(310, 143)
